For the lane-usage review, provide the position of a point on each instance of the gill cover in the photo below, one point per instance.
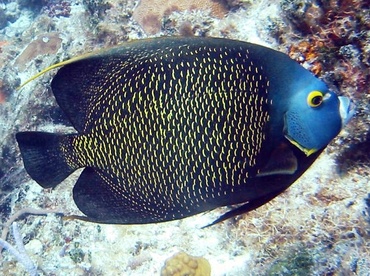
(313, 119)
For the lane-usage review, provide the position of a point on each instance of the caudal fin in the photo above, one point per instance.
(42, 157)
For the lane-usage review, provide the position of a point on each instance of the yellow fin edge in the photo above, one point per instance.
(69, 61)
(54, 66)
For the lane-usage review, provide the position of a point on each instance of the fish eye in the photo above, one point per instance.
(315, 98)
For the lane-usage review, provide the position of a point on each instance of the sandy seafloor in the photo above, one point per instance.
(319, 226)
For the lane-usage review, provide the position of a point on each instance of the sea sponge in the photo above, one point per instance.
(182, 264)
(149, 13)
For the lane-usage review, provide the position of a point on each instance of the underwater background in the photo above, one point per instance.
(319, 226)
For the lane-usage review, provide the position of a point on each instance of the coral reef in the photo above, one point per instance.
(57, 9)
(297, 262)
(235, 4)
(97, 8)
(76, 253)
(332, 223)
(331, 38)
(334, 37)
(112, 23)
(53, 8)
(182, 264)
(151, 14)
(44, 44)
(4, 91)
(3, 19)
(19, 252)
(21, 213)
(34, 5)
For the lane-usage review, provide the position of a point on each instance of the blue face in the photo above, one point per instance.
(313, 117)
(310, 115)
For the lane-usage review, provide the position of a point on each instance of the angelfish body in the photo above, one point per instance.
(171, 127)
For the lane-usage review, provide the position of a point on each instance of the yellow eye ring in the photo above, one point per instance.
(315, 98)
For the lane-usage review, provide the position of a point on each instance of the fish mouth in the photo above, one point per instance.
(346, 109)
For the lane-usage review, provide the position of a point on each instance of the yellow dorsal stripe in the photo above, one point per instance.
(57, 65)
(93, 53)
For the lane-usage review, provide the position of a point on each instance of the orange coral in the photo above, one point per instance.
(2, 97)
(307, 51)
(149, 13)
(2, 44)
(3, 92)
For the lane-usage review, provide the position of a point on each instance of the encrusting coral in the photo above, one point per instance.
(149, 13)
(42, 45)
(332, 38)
(182, 264)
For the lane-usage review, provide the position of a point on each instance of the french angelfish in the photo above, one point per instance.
(171, 127)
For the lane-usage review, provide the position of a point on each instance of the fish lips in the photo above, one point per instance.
(346, 109)
(346, 112)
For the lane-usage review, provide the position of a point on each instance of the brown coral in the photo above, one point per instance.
(149, 13)
(308, 51)
(335, 42)
(42, 45)
(2, 93)
(182, 264)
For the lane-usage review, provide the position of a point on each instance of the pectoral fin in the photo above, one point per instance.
(282, 161)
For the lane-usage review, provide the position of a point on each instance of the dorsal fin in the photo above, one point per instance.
(81, 82)
(75, 89)
(87, 87)
(51, 67)
(68, 94)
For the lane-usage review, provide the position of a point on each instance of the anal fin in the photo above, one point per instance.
(245, 208)
(103, 200)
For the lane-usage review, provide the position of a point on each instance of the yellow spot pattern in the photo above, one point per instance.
(174, 127)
